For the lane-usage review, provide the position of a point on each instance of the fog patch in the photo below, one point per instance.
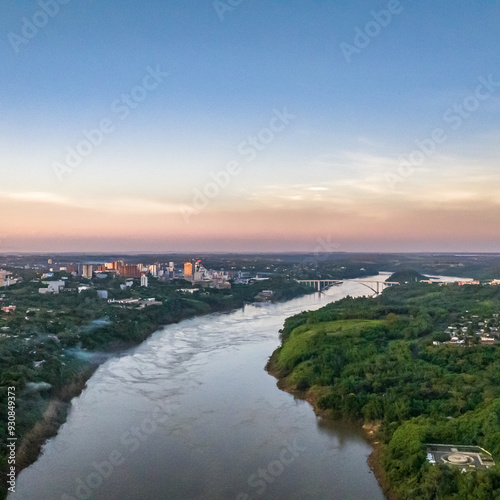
(38, 386)
(87, 356)
(97, 323)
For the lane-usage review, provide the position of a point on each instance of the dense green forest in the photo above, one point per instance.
(406, 276)
(51, 344)
(382, 360)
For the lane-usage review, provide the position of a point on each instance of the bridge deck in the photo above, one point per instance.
(324, 282)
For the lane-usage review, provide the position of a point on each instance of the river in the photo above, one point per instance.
(192, 414)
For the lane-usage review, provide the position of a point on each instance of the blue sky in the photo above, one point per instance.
(352, 121)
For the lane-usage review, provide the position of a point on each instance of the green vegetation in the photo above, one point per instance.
(406, 276)
(51, 344)
(373, 360)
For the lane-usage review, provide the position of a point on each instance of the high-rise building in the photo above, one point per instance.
(72, 268)
(199, 271)
(87, 271)
(144, 281)
(188, 269)
(129, 270)
(170, 271)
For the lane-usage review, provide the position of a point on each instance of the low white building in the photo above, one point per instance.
(55, 286)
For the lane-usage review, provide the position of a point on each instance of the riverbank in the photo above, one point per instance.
(312, 396)
(53, 417)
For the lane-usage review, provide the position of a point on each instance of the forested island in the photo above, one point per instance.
(396, 364)
(406, 276)
(51, 344)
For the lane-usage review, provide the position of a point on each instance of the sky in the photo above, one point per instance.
(245, 125)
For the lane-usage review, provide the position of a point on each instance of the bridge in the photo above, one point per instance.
(375, 286)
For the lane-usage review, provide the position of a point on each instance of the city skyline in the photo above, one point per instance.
(187, 126)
